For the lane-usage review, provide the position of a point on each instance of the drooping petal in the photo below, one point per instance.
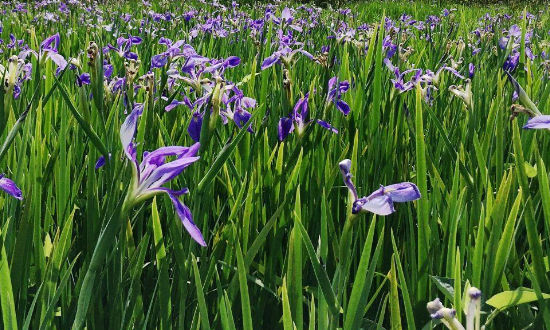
(186, 218)
(327, 126)
(58, 59)
(538, 122)
(343, 107)
(270, 61)
(10, 187)
(402, 192)
(173, 105)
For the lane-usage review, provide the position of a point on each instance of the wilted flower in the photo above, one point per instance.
(474, 309)
(464, 93)
(381, 201)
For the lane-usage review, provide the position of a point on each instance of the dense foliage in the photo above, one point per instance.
(277, 118)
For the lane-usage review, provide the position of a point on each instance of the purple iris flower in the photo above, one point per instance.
(173, 50)
(297, 119)
(511, 62)
(380, 201)
(538, 122)
(50, 47)
(471, 70)
(389, 47)
(124, 46)
(83, 79)
(10, 187)
(335, 90)
(286, 54)
(154, 171)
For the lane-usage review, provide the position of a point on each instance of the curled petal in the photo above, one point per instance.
(345, 169)
(51, 43)
(173, 105)
(434, 306)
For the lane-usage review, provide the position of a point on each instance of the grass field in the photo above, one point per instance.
(168, 165)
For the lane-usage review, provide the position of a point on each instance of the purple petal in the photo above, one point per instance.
(186, 218)
(194, 128)
(10, 187)
(51, 43)
(166, 172)
(376, 203)
(128, 130)
(343, 107)
(158, 61)
(242, 117)
(286, 14)
(58, 59)
(285, 127)
(270, 61)
(402, 192)
(100, 162)
(232, 61)
(345, 168)
(173, 105)
(326, 125)
(538, 122)
(154, 159)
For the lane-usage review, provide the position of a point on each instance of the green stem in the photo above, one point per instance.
(104, 242)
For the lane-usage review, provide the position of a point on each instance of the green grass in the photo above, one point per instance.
(283, 249)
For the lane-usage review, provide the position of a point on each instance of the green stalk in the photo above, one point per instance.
(104, 242)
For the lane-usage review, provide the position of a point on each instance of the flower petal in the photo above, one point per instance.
(10, 187)
(128, 130)
(270, 60)
(402, 192)
(538, 122)
(186, 217)
(380, 204)
(284, 128)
